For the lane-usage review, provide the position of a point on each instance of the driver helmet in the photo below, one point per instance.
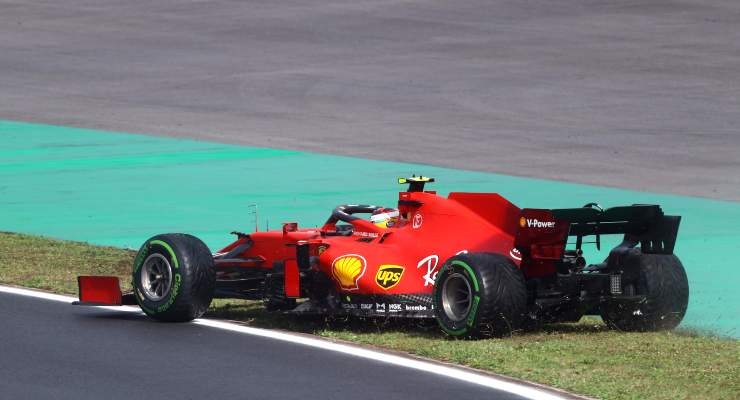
(385, 217)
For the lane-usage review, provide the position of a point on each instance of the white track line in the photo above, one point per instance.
(525, 391)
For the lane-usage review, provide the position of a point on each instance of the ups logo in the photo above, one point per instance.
(388, 276)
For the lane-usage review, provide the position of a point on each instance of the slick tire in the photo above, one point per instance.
(479, 295)
(662, 280)
(174, 277)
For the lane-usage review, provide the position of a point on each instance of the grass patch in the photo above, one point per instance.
(585, 358)
(53, 265)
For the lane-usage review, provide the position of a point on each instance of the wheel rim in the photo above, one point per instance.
(457, 297)
(156, 277)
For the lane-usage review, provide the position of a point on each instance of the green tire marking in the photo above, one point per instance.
(470, 321)
(177, 277)
(139, 260)
(471, 273)
(453, 332)
(169, 250)
(140, 300)
(173, 294)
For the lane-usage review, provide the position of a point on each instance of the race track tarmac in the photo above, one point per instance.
(53, 350)
(634, 94)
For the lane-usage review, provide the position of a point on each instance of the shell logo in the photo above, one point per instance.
(522, 222)
(348, 269)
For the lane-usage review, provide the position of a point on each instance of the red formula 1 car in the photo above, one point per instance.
(475, 262)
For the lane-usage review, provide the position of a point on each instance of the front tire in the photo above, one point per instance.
(662, 280)
(174, 277)
(479, 294)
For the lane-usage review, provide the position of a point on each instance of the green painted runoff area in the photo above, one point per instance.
(119, 189)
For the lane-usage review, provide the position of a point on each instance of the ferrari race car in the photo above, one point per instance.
(475, 262)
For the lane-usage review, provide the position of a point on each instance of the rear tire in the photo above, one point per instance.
(174, 277)
(478, 295)
(662, 280)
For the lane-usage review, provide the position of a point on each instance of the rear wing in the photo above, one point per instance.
(640, 223)
(543, 233)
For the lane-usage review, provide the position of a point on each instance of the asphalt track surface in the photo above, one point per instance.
(635, 94)
(54, 350)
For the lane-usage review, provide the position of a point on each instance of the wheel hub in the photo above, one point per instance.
(156, 277)
(457, 297)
